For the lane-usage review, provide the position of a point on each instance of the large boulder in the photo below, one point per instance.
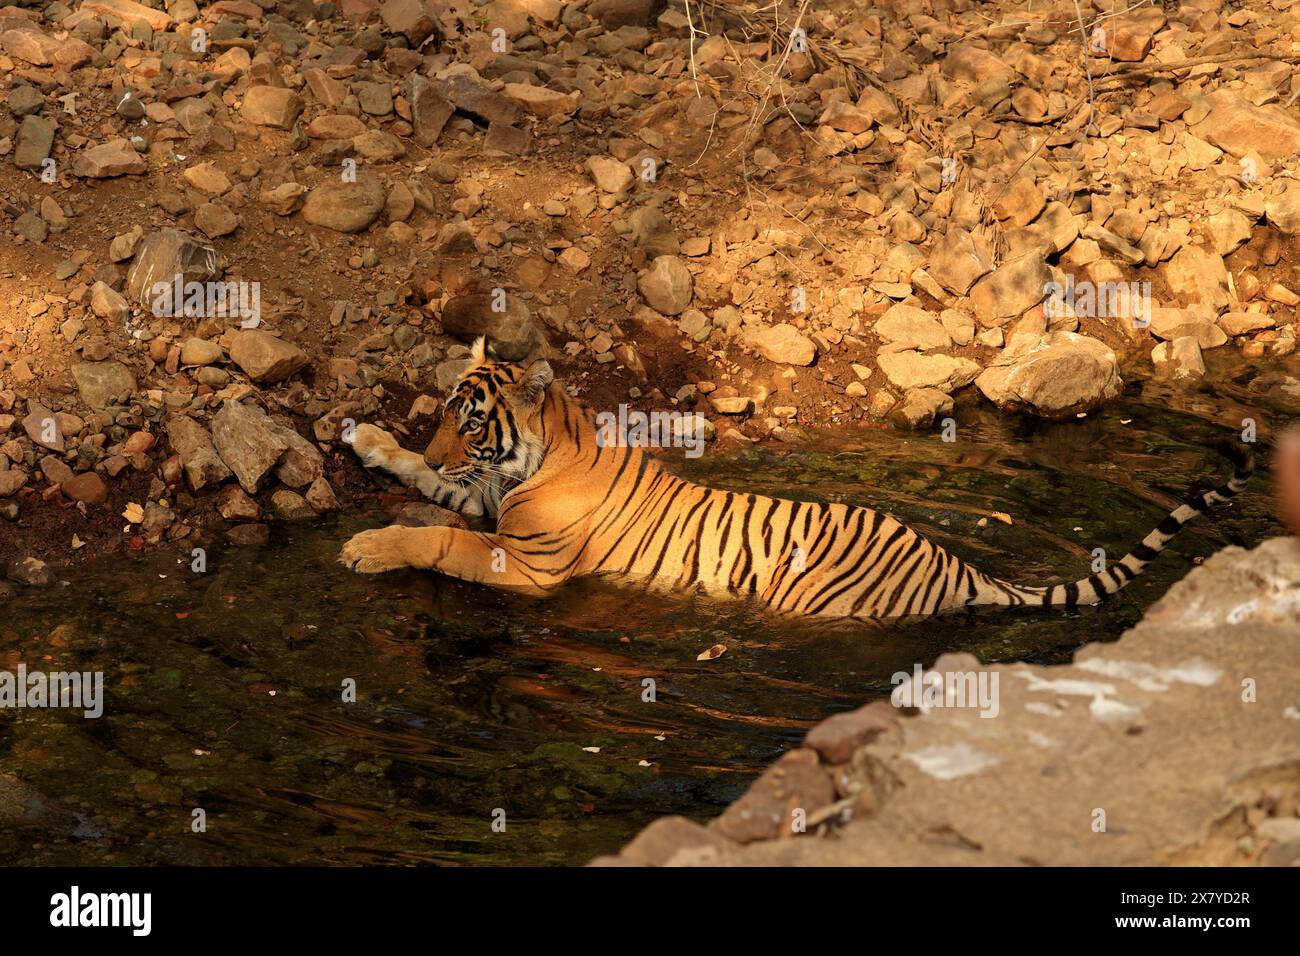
(1056, 375)
(511, 332)
(907, 370)
(1237, 126)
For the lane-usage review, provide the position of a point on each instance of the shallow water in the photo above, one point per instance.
(224, 689)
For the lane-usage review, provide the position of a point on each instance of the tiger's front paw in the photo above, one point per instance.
(373, 445)
(375, 551)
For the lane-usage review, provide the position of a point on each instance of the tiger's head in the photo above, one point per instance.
(491, 421)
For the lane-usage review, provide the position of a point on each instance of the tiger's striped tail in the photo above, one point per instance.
(1097, 587)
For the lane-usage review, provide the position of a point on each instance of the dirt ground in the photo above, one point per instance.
(785, 213)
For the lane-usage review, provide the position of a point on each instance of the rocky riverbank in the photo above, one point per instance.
(1175, 745)
(231, 226)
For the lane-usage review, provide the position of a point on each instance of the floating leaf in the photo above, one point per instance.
(716, 651)
(1002, 516)
(133, 513)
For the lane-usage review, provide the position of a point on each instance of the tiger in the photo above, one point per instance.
(513, 447)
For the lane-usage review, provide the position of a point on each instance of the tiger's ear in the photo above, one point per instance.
(533, 383)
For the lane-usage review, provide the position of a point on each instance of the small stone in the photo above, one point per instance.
(103, 383)
(411, 18)
(25, 100)
(214, 220)
(907, 327)
(109, 304)
(31, 571)
(609, 174)
(290, 506)
(346, 206)
(1020, 202)
(35, 140)
(1012, 289)
(164, 255)
(919, 407)
(234, 504)
(33, 227)
(1179, 359)
(266, 358)
(207, 178)
(123, 246)
(781, 343)
(667, 285)
(130, 108)
(543, 102)
(513, 333)
(284, 199)
(837, 737)
(87, 487)
(653, 232)
(249, 535)
(674, 837)
(378, 147)
(320, 496)
(115, 158)
(196, 351)
(763, 812)
(42, 427)
(271, 106)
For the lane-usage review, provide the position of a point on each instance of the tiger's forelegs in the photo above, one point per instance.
(378, 449)
(468, 555)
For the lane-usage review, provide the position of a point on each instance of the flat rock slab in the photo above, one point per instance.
(103, 383)
(117, 157)
(1180, 740)
(1237, 126)
(129, 11)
